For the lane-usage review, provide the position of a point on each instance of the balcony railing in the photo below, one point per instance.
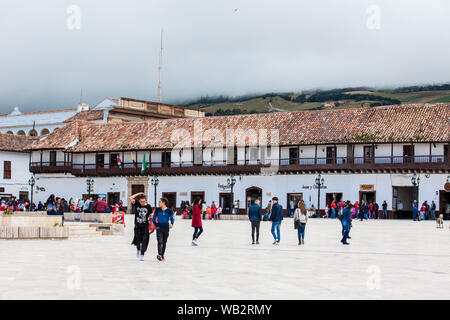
(247, 166)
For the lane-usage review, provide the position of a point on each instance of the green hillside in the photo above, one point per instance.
(321, 100)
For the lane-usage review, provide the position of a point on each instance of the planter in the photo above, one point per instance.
(54, 232)
(28, 232)
(7, 232)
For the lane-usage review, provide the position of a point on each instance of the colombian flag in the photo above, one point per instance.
(134, 162)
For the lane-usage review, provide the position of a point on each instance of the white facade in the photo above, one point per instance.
(42, 122)
(20, 173)
(67, 186)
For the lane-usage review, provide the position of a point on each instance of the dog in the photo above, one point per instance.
(440, 221)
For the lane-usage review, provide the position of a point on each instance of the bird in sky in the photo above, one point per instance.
(235, 10)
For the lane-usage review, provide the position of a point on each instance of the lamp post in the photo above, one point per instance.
(89, 186)
(232, 181)
(32, 182)
(319, 183)
(155, 182)
(415, 180)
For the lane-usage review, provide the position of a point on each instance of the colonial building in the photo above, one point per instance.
(14, 162)
(366, 153)
(38, 123)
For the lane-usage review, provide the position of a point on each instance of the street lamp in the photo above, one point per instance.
(319, 183)
(155, 182)
(31, 183)
(415, 180)
(232, 181)
(89, 186)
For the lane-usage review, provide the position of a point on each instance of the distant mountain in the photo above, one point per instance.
(321, 99)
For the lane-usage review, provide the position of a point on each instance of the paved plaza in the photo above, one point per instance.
(386, 260)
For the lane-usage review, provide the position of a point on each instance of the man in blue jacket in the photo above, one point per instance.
(254, 215)
(163, 220)
(346, 222)
(276, 217)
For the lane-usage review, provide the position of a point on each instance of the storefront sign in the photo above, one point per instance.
(447, 186)
(224, 186)
(366, 187)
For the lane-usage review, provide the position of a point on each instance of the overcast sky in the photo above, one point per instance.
(210, 48)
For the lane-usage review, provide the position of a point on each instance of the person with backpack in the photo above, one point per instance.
(197, 221)
(254, 215)
(142, 214)
(163, 220)
(276, 217)
(300, 219)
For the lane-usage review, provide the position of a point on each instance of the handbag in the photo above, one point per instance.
(296, 224)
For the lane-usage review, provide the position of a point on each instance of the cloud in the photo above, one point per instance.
(211, 49)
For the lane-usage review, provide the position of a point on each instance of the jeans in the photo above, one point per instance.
(301, 232)
(384, 214)
(197, 232)
(345, 231)
(141, 238)
(356, 213)
(415, 216)
(433, 215)
(333, 213)
(255, 227)
(276, 225)
(162, 235)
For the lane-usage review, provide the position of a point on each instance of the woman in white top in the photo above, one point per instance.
(300, 219)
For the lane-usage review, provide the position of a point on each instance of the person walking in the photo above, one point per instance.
(415, 211)
(346, 222)
(300, 219)
(254, 215)
(197, 221)
(291, 208)
(326, 212)
(376, 207)
(213, 210)
(433, 210)
(333, 210)
(141, 221)
(363, 210)
(427, 210)
(384, 207)
(269, 207)
(276, 217)
(163, 220)
(356, 205)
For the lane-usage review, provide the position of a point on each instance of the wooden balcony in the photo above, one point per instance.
(50, 167)
(290, 165)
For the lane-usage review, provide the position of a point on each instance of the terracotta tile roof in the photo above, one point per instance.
(12, 142)
(91, 115)
(406, 123)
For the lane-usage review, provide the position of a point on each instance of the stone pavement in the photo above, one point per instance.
(386, 260)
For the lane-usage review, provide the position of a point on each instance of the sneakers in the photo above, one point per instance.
(303, 241)
(253, 242)
(194, 243)
(138, 254)
(160, 258)
(141, 257)
(257, 242)
(275, 242)
(299, 243)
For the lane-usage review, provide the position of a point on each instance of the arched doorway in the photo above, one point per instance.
(10, 132)
(252, 194)
(45, 131)
(21, 133)
(33, 133)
